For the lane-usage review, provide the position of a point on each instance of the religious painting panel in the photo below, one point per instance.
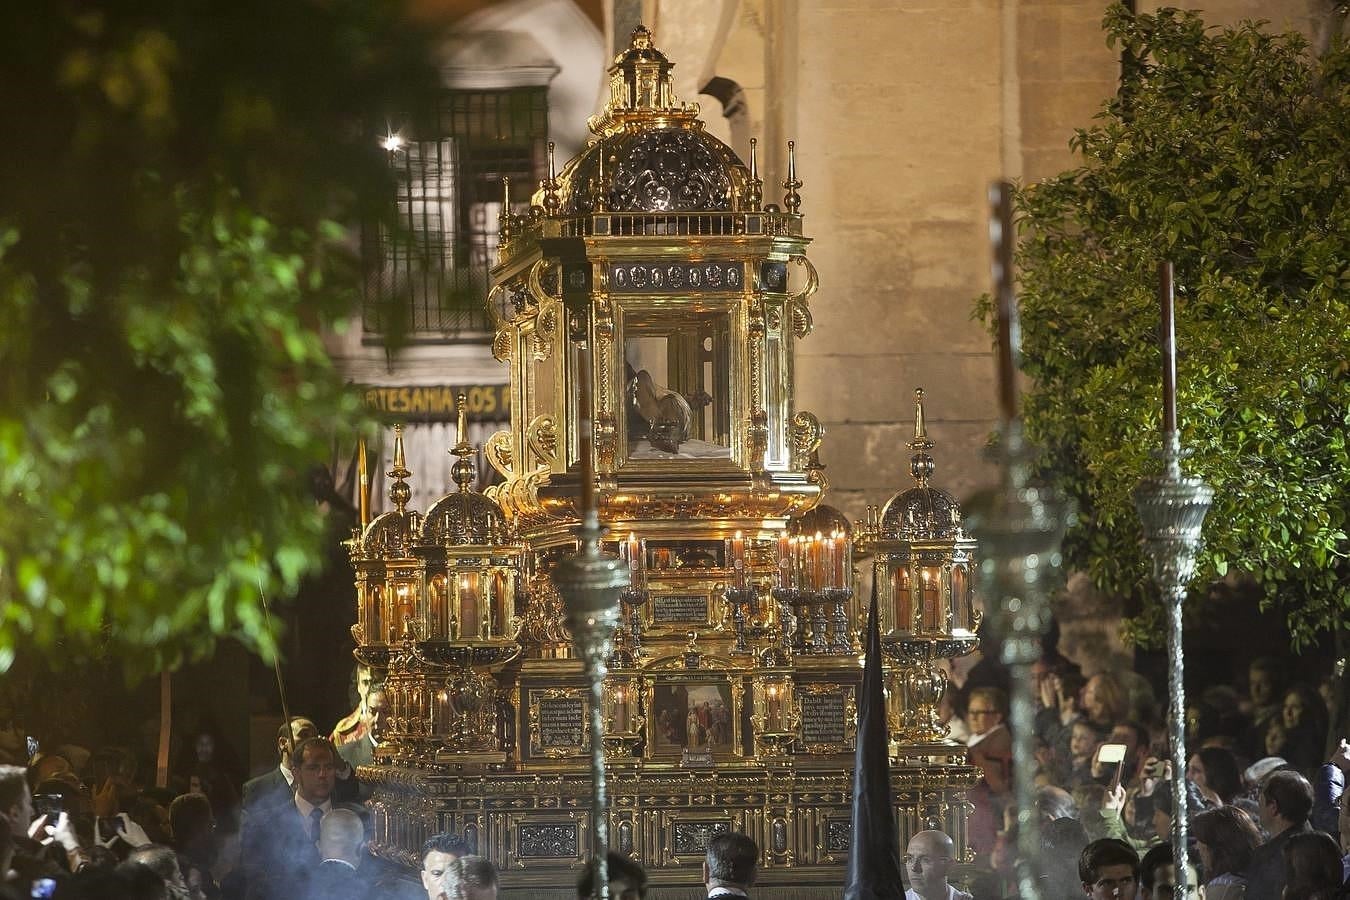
(694, 714)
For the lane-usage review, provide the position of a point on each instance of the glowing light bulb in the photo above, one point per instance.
(392, 142)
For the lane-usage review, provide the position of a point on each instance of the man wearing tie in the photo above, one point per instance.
(278, 841)
(730, 866)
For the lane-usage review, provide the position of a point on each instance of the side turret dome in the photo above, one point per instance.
(463, 517)
(922, 512)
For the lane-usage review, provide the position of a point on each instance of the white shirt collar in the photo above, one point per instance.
(306, 807)
(343, 861)
(288, 775)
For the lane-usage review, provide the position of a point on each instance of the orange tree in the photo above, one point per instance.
(1228, 152)
(173, 196)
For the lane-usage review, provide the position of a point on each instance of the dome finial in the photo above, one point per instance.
(462, 471)
(754, 193)
(640, 86)
(551, 200)
(504, 219)
(920, 464)
(792, 201)
(399, 492)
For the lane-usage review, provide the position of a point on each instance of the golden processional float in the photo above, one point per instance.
(649, 287)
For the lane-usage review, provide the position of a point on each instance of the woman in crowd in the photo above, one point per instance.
(1305, 725)
(1312, 867)
(1215, 772)
(1105, 702)
(1224, 839)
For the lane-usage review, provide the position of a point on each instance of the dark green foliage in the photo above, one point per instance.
(173, 194)
(1227, 152)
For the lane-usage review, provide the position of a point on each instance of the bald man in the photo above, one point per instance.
(928, 859)
(341, 836)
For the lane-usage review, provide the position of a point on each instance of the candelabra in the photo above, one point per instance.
(1172, 509)
(628, 644)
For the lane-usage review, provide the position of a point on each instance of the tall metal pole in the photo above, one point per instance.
(1020, 527)
(590, 582)
(1172, 509)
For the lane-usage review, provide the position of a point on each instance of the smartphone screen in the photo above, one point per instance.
(49, 805)
(1111, 753)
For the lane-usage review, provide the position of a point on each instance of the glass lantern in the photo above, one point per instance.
(922, 563)
(774, 713)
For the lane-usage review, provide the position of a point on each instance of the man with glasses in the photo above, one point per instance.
(1109, 870)
(278, 842)
(928, 860)
(986, 709)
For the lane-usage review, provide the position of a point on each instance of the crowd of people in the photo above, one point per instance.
(1263, 796)
(1265, 808)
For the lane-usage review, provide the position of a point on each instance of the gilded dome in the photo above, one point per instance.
(651, 152)
(463, 517)
(668, 169)
(921, 512)
(390, 534)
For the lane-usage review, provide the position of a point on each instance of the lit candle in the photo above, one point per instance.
(840, 569)
(634, 553)
(1169, 349)
(932, 603)
(468, 607)
(443, 712)
(738, 559)
(405, 608)
(818, 569)
(620, 712)
(774, 708)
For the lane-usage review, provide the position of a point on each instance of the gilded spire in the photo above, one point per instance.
(504, 218)
(551, 199)
(399, 492)
(920, 464)
(754, 193)
(792, 201)
(462, 471)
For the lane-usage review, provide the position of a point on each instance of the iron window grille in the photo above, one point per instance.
(427, 271)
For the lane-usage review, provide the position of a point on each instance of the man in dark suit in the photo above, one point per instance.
(338, 877)
(278, 842)
(278, 784)
(1286, 800)
(730, 867)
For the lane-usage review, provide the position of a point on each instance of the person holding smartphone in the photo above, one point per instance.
(45, 845)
